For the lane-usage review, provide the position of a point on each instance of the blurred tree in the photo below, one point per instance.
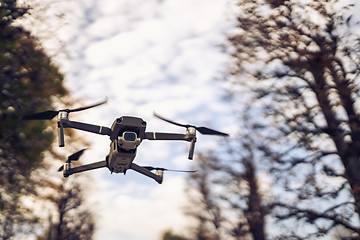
(29, 82)
(298, 64)
(74, 223)
(204, 205)
(169, 235)
(71, 218)
(242, 186)
(25, 72)
(228, 203)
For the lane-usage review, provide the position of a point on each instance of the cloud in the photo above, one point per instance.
(137, 212)
(147, 56)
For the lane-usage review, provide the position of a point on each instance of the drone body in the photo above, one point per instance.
(126, 134)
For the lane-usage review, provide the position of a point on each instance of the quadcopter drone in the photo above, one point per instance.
(126, 134)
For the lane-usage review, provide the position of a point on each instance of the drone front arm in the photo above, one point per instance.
(146, 172)
(83, 168)
(87, 127)
(189, 137)
(167, 136)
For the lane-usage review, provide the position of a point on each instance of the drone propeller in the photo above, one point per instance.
(165, 169)
(73, 157)
(50, 114)
(202, 130)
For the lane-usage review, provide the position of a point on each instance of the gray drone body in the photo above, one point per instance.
(126, 134)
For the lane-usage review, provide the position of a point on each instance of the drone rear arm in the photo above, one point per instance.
(83, 168)
(146, 172)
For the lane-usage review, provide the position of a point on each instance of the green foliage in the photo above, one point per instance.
(169, 235)
(28, 80)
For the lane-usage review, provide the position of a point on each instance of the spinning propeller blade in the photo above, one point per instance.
(165, 169)
(172, 122)
(202, 130)
(61, 168)
(73, 157)
(47, 115)
(50, 114)
(87, 107)
(76, 156)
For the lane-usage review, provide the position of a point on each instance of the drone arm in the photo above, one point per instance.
(87, 127)
(167, 136)
(146, 172)
(83, 168)
(190, 137)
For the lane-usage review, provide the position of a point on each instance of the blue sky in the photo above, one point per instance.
(146, 56)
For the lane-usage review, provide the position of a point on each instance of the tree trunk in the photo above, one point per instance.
(255, 212)
(348, 150)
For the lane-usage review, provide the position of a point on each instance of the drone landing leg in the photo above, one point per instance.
(61, 135)
(146, 172)
(192, 148)
(86, 167)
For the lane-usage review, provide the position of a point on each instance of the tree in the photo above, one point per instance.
(29, 83)
(74, 221)
(224, 194)
(204, 205)
(23, 68)
(169, 235)
(68, 216)
(241, 184)
(299, 61)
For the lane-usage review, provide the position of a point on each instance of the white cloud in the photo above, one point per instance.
(147, 56)
(137, 212)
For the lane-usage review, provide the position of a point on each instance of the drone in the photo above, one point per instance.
(126, 134)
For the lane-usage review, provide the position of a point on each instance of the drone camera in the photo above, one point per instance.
(129, 140)
(129, 136)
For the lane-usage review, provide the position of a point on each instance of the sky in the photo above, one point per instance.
(163, 56)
